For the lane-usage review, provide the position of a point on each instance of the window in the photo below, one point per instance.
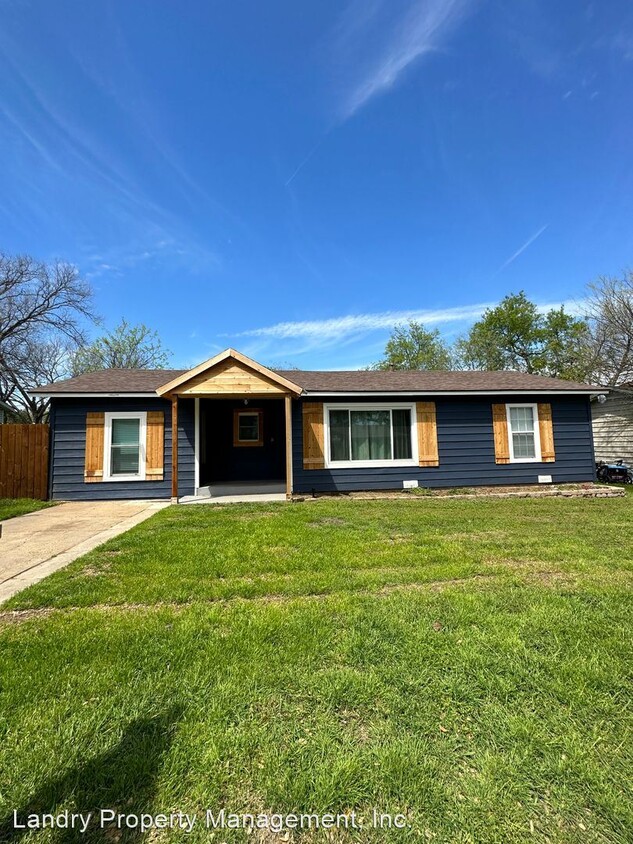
(523, 433)
(247, 428)
(365, 435)
(124, 447)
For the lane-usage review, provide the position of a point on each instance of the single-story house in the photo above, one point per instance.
(612, 418)
(113, 432)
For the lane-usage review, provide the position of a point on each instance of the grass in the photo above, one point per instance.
(10, 507)
(465, 663)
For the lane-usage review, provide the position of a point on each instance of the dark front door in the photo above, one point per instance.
(242, 442)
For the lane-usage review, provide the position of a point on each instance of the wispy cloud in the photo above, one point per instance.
(393, 44)
(522, 249)
(344, 326)
(51, 144)
(357, 337)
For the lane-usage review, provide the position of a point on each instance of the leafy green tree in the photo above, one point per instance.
(126, 347)
(411, 346)
(517, 335)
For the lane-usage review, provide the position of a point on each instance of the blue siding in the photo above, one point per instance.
(68, 422)
(466, 449)
(465, 439)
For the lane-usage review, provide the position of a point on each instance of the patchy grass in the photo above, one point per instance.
(465, 663)
(10, 507)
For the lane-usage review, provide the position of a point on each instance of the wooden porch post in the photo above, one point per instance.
(174, 449)
(288, 406)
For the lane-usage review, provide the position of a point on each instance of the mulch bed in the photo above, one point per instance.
(587, 490)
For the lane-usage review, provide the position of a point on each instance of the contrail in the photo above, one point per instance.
(306, 159)
(522, 249)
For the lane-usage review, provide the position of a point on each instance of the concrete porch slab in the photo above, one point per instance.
(238, 492)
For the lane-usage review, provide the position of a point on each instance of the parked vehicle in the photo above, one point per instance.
(614, 473)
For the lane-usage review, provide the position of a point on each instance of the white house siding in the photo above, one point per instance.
(613, 427)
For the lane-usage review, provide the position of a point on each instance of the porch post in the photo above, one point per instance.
(174, 449)
(288, 407)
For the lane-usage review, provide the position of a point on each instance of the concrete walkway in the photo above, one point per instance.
(37, 544)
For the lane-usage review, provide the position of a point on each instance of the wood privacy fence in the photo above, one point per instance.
(24, 461)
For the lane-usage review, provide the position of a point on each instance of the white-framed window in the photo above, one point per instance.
(124, 446)
(523, 433)
(370, 435)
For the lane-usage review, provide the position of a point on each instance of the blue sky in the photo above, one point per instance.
(292, 178)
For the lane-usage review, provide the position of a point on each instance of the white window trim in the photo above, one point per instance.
(141, 415)
(369, 464)
(537, 435)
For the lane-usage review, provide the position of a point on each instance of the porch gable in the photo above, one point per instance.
(229, 374)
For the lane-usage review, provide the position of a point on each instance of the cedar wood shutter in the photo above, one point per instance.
(95, 428)
(155, 445)
(546, 433)
(428, 454)
(500, 429)
(313, 449)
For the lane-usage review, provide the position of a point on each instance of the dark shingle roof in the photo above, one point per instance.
(386, 381)
(353, 381)
(113, 381)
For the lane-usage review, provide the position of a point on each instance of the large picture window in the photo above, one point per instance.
(124, 447)
(523, 433)
(364, 435)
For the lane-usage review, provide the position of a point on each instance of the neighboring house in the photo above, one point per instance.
(4, 410)
(613, 425)
(314, 431)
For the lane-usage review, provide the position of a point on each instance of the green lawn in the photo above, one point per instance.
(465, 663)
(10, 507)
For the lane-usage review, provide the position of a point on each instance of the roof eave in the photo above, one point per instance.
(93, 394)
(498, 392)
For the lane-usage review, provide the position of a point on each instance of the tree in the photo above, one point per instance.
(609, 312)
(517, 335)
(126, 347)
(43, 312)
(35, 296)
(39, 361)
(411, 346)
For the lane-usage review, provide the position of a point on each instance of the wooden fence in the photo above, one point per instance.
(24, 461)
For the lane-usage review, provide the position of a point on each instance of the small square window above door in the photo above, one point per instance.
(248, 428)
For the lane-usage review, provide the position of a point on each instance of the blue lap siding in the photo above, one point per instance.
(466, 449)
(465, 440)
(68, 423)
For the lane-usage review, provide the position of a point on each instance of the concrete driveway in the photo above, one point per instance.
(37, 544)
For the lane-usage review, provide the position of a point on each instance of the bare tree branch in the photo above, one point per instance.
(43, 312)
(610, 316)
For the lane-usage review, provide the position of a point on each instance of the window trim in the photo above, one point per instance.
(141, 415)
(369, 464)
(537, 434)
(248, 411)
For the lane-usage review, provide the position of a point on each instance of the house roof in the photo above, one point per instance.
(113, 381)
(148, 381)
(433, 381)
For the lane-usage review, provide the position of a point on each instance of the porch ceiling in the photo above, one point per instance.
(230, 374)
